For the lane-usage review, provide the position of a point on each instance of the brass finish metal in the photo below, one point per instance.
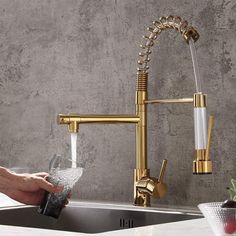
(190, 33)
(141, 81)
(141, 198)
(177, 100)
(163, 169)
(73, 127)
(83, 119)
(200, 100)
(141, 127)
(154, 187)
(210, 125)
(202, 166)
(144, 185)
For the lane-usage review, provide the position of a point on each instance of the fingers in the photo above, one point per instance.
(44, 184)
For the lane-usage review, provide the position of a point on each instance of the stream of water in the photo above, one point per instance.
(197, 77)
(74, 149)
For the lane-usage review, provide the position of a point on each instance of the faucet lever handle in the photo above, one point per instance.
(162, 171)
(209, 137)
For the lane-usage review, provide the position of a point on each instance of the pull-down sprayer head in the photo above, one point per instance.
(202, 163)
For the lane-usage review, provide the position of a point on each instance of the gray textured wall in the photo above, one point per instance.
(80, 56)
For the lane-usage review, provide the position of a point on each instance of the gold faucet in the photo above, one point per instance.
(145, 185)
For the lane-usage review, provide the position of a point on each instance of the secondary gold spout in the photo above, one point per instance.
(177, 100)
(74, 120)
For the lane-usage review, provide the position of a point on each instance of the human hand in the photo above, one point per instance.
(26, 188)
(30, 188)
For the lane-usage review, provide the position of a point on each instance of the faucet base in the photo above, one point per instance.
(141, 199)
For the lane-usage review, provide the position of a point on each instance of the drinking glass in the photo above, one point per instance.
(62, 172)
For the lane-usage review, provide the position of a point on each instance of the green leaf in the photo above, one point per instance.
(232, 190)
(233, 182)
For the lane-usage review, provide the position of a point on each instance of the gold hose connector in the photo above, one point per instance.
(141, 81)
(200, 100)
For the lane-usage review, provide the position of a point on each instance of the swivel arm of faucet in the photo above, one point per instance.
(74, 120)
(177, 100)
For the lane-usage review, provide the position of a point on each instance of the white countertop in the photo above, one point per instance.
(195, 227)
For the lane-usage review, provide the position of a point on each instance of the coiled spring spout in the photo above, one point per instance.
(164, 23)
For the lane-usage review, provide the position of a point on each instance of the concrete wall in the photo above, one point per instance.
(80, 56)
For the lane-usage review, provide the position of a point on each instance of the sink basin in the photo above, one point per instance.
(87, 217)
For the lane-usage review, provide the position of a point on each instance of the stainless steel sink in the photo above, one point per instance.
(93, 217)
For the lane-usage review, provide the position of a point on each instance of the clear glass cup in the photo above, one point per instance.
(221, 220)
(62, 172)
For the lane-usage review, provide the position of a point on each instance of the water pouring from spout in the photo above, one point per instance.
(74, 149)
(197, 77)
